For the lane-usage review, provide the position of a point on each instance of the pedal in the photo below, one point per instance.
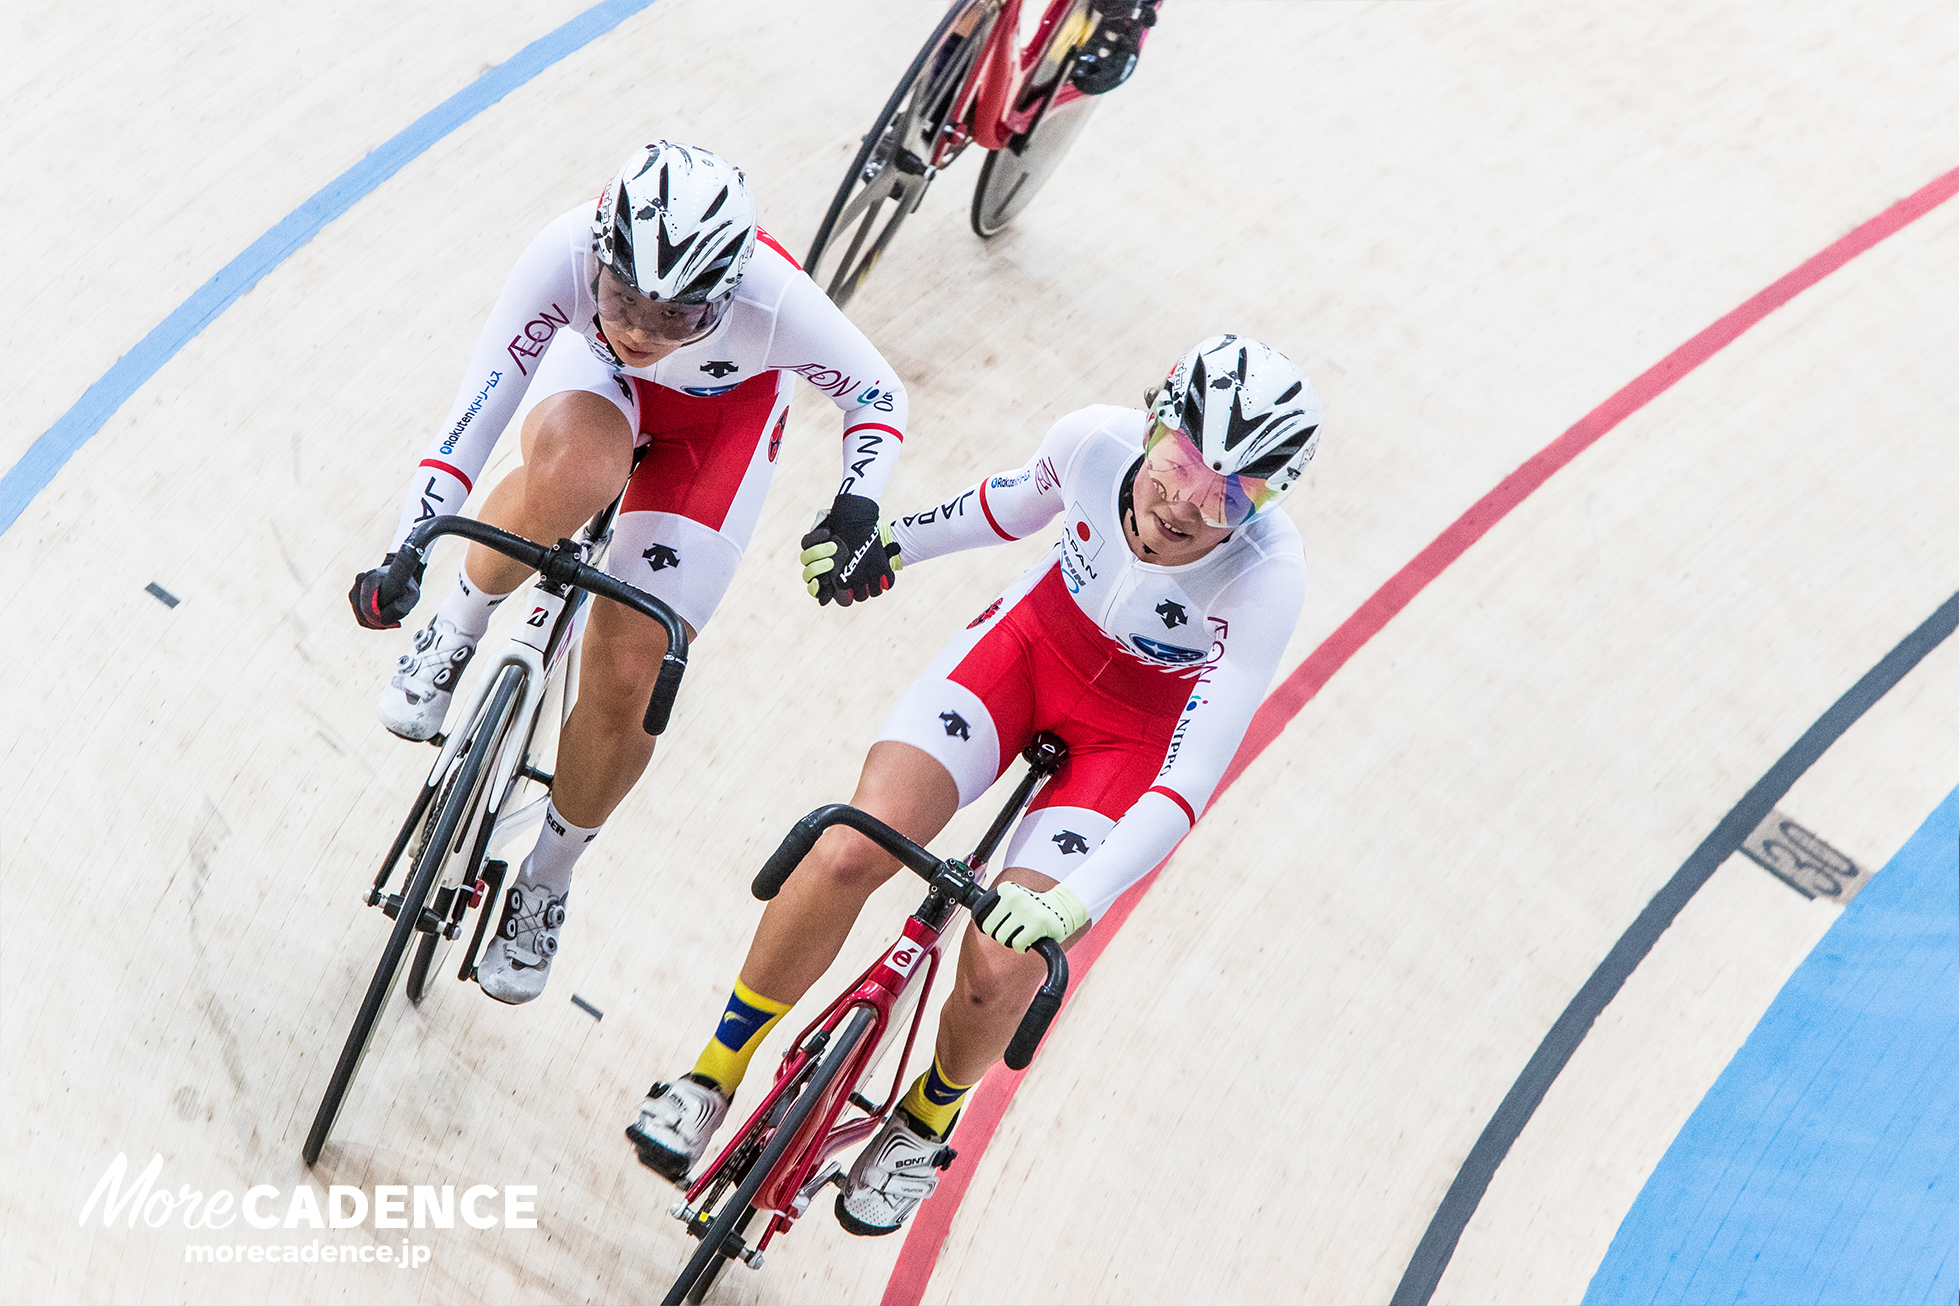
(943, 1158)
(493, 872)
(438, 739)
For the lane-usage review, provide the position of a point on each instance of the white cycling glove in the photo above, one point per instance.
(1023, 916)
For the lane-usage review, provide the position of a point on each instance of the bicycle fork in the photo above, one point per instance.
(527, 652)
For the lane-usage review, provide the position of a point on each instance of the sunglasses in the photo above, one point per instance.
(660, 318)
(1224, 500)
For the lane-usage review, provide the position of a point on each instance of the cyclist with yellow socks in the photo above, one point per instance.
(1145, 638)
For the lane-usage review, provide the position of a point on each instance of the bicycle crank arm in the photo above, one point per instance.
(831, 1172)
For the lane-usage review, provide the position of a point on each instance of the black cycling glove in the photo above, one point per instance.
(372, 608)
(849, 555)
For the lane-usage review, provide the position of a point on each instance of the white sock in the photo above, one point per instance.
(468, 608)
(560, 845)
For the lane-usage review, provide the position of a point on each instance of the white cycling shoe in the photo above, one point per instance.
(896, 1171)
(416, 697)
(517, 960)
(675, 1123)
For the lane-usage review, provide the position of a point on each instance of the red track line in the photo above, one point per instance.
(983, 1114)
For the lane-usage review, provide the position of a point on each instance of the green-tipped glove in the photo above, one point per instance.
(1022, 916)
(849, 555)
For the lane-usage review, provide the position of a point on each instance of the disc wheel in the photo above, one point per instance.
(894, 165)
(1009, 180)
(1012, 176)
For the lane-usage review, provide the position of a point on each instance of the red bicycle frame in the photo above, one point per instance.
(893, 989)
(889, 984)
(994, 106)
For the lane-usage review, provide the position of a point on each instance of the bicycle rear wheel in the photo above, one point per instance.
(894, 166)
(1010, 178)
(699, 1291)
(740, 1203)
(475, 760)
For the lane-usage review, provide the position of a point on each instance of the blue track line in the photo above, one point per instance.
(51, 452)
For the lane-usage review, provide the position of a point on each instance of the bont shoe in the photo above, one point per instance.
(517, 961)
(416, 697)
(896, 1171)
(675, 1123)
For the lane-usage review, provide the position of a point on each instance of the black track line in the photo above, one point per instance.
(1432, 1255)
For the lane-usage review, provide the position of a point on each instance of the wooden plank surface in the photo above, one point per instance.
(1471, 223)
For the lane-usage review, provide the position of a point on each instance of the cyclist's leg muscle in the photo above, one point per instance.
(805, 925)
(577, 451)
(577, 430)
(990, 994)
(604, 747)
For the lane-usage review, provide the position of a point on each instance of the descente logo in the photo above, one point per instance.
(265, 1206)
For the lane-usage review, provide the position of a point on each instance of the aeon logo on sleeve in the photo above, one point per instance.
(537, 333)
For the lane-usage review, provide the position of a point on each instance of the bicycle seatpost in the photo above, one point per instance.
(1044, 755)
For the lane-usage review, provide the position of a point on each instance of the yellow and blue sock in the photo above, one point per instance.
(746, 1019)
(934, 1100)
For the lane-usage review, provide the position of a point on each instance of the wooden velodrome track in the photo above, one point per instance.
(1474, 224)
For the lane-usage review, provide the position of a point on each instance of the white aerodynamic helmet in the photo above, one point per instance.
(1247, 414)
(675, 228)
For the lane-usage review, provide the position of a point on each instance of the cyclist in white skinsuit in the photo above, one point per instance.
(668, 324)
(1145, 638)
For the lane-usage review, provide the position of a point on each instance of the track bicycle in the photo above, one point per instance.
(782, 1156)
(486, 788)
(996, 73)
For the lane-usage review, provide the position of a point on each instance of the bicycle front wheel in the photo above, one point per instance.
(815, 1091)
(894, 166)
(482, 819)
(408, 916)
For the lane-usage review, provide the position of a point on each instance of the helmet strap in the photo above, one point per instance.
(1126, 503)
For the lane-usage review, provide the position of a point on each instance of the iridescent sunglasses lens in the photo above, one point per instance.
(1224, 501)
